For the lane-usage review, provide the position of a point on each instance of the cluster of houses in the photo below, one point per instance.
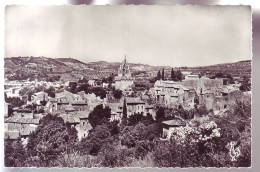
(75, 108)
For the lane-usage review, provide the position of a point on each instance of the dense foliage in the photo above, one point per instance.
(75, 87)
(117, 94)
(206, 140)
(176, 75)
(99, 115)
(14, 153)
(51, 139)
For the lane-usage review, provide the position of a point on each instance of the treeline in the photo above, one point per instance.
(175, 76)
(136, 142)
(75, 87)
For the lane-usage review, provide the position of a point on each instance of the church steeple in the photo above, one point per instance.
(124, 69)
(124, 78)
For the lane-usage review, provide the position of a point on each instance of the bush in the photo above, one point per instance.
(14, 153)
(117, 94)
(51, 138)
(171, 154)
(98, 91)
(143, 148)
(97, 139)
(131, 135)
(99, 115)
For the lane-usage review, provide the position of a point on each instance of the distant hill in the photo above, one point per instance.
(70, 68)
(240, 68)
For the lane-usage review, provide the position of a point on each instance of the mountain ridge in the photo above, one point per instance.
(49, 66)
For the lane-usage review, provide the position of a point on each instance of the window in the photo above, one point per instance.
(84, 135)
(83, 123)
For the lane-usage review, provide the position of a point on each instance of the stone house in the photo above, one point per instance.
(169, 125)
(79, 121)
(22, 126)
(170, 94)
(135, 105)
(84, 127)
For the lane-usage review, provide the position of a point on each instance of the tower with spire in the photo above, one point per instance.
(124, 70)
(124, 78)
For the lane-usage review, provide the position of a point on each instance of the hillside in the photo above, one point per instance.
(240, 68)
(72, 69)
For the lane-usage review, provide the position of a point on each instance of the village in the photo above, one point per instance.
(188, 92)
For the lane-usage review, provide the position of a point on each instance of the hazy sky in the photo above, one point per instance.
(155, 35)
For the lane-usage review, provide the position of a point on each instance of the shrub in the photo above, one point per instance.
(14, 153)
(51, 138)
(97, 139)
(99, 115)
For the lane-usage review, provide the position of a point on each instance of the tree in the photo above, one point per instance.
(72, 87)
(29, 94)
(134, 119)
(14, 153)
(114, 127)
(196, 99)
(132, 134)
(51, 139)
(6, 97)
(99, 115)
(158, 75)
(147, 120)
(163, 74)
(172, 154)
(229, 77)
(124, 118)
(50, 91)
(178, 75)
(202, 111)
(15, 101)
(83, 87)
(153, 131)
(117, 94)
(160, 114)
(98, 91)
(97, 139)
(172, 75)
(245, 86)
(83, 80)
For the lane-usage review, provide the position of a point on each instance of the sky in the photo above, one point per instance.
(155, 35)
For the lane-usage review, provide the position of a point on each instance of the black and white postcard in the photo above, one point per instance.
(127, 86)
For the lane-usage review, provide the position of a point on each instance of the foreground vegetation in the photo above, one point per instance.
(206, 141)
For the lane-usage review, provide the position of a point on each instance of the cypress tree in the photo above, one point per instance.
(124, 118)
(159, 75)
(163, 74)
(172, 74)
(179, 76)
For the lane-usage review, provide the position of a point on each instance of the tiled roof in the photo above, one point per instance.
(75, 117)
(27, 130)
(174, 122)
(70, 118)
(134, 101)
(22, 120)
(69, 108)
(12, 134)
(148, 107)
